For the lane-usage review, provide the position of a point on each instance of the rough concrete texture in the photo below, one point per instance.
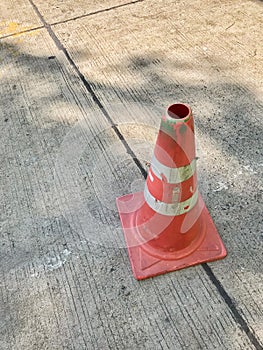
(81, 80)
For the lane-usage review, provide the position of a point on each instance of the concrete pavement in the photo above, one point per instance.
(80, 80)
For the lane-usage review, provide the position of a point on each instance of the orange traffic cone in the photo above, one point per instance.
(168, 227)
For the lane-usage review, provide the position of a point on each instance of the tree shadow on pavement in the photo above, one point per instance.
(39, 97)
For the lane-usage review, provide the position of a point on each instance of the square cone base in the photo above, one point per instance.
(145, 265)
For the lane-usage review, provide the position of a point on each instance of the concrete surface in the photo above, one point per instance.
(82, 82)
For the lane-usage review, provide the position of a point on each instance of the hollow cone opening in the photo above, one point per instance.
(178, 111)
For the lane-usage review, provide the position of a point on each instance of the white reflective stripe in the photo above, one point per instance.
(151, 177)
(170, 209)
(173, 175)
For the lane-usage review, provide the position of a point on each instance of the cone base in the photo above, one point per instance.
(145, 265)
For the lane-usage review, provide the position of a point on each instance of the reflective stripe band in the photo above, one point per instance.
(170, 209)
(173, 175)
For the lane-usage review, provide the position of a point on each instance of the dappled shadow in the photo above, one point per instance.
(43, 87)
(42, 98)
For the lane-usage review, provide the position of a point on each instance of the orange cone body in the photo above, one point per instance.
(168, 227)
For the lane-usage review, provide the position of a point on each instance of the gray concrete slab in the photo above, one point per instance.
(15, 18)
(66, 281)
(57, 11)
(200, 56)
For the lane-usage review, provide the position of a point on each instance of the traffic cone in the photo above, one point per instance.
(168, 227)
